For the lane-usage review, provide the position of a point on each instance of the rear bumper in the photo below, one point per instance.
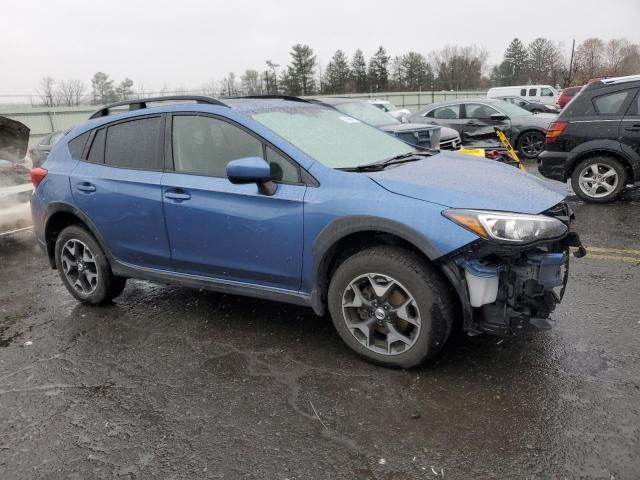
(552, 165)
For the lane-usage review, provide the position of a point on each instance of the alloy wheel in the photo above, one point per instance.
(80, 267)
(381, 313)
(598, 180)
(532, 144)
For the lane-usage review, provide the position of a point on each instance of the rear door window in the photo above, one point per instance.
(523, 92)
(451, 112)
(610, 104)
(135, 144)
(96, 154)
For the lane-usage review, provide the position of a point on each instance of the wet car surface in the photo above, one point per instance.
(176, 383)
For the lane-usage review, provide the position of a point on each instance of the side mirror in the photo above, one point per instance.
(251, 170)
(498, 116)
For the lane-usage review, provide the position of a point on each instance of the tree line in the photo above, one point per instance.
(541, 61)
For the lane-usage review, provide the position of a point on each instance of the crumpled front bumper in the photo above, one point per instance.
(508, 289)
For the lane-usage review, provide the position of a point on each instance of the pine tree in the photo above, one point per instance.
(359, 72)
(338, 73)
(514, 69)
(416, 71)
(378, 69)
(301, 69)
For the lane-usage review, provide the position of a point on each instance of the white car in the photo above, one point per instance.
(534, 93)
(390, 108)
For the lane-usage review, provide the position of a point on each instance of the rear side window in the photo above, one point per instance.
(135, 144)
(523, 92)
(609, 104)
(533, 92)
(76, 146)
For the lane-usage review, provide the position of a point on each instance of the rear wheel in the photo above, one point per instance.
(530, 144)
(599, 179)
(390, 306)
(84, 268)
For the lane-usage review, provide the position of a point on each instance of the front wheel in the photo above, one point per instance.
(530, 144)
(390, 306)
(599, 179)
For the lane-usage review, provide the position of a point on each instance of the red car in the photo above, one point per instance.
(566, 95)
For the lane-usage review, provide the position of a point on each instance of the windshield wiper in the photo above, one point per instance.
(395, 160)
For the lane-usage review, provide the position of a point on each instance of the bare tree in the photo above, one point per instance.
(71, 92)
(47, 92)
(621, 57)
(209, 89)
(589, 60)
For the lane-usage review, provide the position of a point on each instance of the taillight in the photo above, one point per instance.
(554, 131)
(37, 176)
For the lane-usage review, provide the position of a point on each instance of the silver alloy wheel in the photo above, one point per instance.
(381, 314)
(532, 143)
(598, 180)
(79, 266)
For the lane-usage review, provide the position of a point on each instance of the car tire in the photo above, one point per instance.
(84, 267)
(530, 144)
(609, 179)
(413, 297)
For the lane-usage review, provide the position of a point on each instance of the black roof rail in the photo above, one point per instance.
(291, 98)
(141, 103)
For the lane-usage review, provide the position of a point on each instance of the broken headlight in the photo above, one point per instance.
(508, 227)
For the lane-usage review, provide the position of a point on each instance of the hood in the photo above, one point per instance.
(408, 127)
(14, 139)
(462, 181)
(541, 120)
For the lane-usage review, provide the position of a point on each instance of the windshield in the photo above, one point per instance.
(367, 113)
(513, 110)
(332, 138)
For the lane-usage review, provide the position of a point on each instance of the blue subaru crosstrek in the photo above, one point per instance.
(283, 199)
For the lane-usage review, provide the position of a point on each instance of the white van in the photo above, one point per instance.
(534, 93)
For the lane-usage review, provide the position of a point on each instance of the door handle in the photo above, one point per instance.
(177, 195)
(86, 187)
(634, 128)
(471, 122)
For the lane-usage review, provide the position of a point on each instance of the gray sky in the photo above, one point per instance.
(190, 42)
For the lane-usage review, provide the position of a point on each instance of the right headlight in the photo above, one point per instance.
(508, 227)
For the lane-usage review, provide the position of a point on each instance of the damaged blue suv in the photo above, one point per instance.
(286, 200)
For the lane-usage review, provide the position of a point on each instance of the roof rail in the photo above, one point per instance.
(141, 103)
(615, 80)
(291, 98)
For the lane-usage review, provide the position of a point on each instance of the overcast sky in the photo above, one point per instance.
(190, 42)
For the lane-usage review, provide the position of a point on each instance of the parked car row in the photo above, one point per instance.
(296, 201)
(477, 119)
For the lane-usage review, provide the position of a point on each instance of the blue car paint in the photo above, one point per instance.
(233, 232)
(462, 181)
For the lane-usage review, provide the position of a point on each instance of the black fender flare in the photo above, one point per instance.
(64, 207)
(600, 146)
(340, 228)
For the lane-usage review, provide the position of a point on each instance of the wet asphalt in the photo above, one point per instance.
(174, 383)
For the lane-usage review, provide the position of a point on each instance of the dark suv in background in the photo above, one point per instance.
(596, 140)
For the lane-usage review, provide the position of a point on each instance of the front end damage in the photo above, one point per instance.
(511, 289)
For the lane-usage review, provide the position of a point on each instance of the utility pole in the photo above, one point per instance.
(568, 80)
